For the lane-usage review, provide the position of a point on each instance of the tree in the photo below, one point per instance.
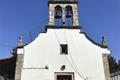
(119, 64)
(112, 64)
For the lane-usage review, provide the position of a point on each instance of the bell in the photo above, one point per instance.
(69, 14)
(57, 14)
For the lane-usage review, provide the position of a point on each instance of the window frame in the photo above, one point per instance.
(63, 49)
(64, 73)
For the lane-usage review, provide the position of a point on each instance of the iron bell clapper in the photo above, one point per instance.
(69, 14)
(57, 14)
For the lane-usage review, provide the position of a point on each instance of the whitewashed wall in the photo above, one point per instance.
(45, 50)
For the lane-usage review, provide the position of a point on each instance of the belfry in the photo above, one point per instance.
(63, 12)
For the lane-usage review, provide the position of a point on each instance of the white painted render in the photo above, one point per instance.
(45, 50)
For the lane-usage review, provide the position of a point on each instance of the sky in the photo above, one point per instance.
(20, 17)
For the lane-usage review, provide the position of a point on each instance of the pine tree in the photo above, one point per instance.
(119, 64)
(113, 64)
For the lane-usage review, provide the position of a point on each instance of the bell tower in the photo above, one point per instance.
(63, 13)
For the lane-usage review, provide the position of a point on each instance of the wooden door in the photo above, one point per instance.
(64, 77)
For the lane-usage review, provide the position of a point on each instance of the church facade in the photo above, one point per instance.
(63, 51)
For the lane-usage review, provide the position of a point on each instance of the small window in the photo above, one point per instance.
(64, 49)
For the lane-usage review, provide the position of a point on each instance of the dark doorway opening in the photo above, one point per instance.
(64, 77)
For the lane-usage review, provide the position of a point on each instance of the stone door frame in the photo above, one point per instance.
(64, 73)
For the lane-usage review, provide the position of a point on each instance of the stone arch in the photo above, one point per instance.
(58, 15)
(69, 15)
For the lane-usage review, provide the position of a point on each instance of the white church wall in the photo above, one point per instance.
(45, 50)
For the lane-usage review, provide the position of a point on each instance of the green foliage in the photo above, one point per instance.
(113, 65)
(119, 65)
